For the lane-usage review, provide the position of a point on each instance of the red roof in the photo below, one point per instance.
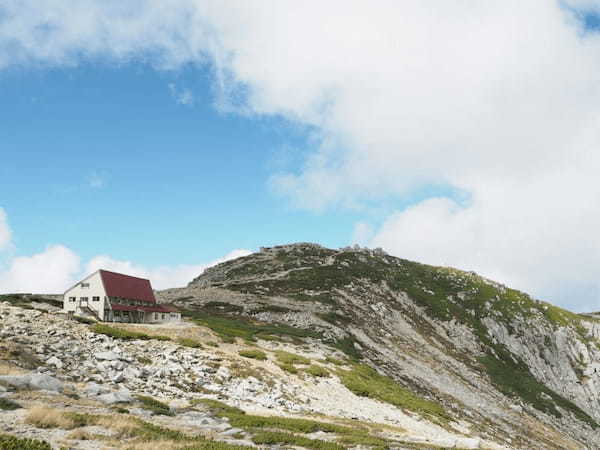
(157, 308)
(128, 287)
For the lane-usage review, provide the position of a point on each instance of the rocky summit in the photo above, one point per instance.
(300, 346)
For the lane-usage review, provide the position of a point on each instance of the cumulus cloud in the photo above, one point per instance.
(164, 276)
(50, 271)
(58, 267)
(499, 100)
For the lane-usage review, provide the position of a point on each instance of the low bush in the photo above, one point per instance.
(273, 438)
(367, 382)
(7, 404)
(187, 342)
(84, 320)
(253, 354)
(288, 368)
(290, 358)
(155, 406)
(317, 371)
(119, 333)
(8, 442)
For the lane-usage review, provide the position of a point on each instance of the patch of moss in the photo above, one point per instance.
(155, 406)
(317, 371)
(253, 354)
(9, 442)
(365, 381)
(288, 368)
(119, 333)
(290, 358)
(7, 404)
(187, 342)
(229, 328)
(274, 437)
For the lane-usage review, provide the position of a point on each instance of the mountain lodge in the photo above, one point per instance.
(115, 297)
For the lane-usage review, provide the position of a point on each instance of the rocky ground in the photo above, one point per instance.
(300, 346)
(61, 365)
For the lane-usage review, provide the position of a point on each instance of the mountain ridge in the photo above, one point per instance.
(538, 358)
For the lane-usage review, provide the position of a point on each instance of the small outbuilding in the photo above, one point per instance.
(115, 297)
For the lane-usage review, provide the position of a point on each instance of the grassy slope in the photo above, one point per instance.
(446, 294)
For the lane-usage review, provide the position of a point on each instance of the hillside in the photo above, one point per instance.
(306, 347)
(510, 365)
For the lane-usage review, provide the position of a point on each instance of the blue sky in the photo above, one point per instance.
(106, 160)
(158, 139)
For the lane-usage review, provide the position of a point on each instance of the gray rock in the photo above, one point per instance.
(54, 361)
(93, 389)
(123, 396)
(33, 381)
(106, 356)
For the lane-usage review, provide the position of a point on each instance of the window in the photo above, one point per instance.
(117, 313)
(163, 317)
(72, 299)
(155, 316)
(95, 299)
(85, 285)
(83, 299)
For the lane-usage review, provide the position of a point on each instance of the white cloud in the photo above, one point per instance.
(497, 99)
(363, 232)
(58, 267)
(182, 96)
(5, 233)
(162, 277)
(51, 271)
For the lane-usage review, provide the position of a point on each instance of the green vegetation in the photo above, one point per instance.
(290, 358)
(274, 437)
(127, 427)
(334, 318)
(347, 346)
(335, 361)
(253, 354)
(84, 320)
(272, 309)
(223, 307)
(240, 419)
(187, 342)
(229, 328)
(7, 404)
(278, 430)
(25, 301)
(119, 333)
(366, 382)
(8, 442)
(155, 406)
(317, 371)
(288, 368)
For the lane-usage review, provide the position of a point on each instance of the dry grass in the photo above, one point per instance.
(122, 425)
(80, 435)
(10, 369)
(158, 445)
(44, 417)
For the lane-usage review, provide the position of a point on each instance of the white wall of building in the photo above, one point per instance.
(88, 288)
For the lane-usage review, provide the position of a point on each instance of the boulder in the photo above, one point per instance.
(93, 389)
(122, 396)
(54, 361)
(106, 356)
(34, 381)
